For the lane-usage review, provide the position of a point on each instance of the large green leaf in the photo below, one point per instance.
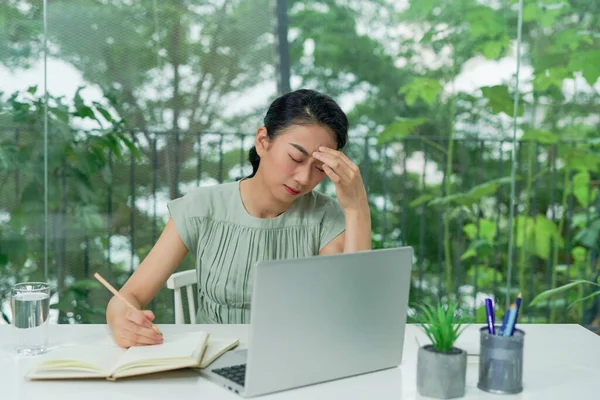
(525, 228)
(552, 292)
(103, 111)
(537, 235)
(479, 247)
(488, 188)
(424, 198)
(589, 236)
(572, 39)
(547, 16)
(500, 100)
(470, 253)
(594, 294)
(399, 129)
(457, 198)
(530, 11)
(583, 160)
(81, 109)
(470, 230)
(578, 254)
(551, 77)
(475, 194)
(545, 232)
(588, 62)
(581, 219)
(484, 22)
(494, 49)
(582, 190)
(426, 89)
(485, 230)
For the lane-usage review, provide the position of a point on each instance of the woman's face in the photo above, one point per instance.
(286, 162)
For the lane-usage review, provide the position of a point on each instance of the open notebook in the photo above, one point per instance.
(189, 350)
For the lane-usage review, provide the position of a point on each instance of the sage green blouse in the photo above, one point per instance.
(226, 242)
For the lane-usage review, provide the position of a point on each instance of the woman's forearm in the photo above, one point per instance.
(358, 231)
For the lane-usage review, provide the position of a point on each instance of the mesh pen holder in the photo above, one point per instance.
(501, 362)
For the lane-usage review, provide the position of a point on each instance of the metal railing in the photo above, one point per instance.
(395, 174)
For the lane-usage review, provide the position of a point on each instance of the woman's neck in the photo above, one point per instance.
(258, 200)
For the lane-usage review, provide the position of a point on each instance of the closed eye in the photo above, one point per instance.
(300, 161)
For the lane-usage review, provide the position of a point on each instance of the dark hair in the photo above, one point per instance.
(302, 107)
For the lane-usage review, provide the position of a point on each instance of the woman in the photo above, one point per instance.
(272, 214)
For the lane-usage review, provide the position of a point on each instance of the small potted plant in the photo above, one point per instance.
(441, 367)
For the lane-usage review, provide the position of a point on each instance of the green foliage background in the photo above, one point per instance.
(398, 62)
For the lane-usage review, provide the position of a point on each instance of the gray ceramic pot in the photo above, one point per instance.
(441, 375)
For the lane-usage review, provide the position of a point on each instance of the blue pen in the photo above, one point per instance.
(504, 322)
(489, 311)
(512, 315)
(512, 330)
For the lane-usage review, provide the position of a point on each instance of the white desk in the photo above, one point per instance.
(560, 362)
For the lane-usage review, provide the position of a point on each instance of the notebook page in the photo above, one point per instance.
(81, 357)
(216, 348)
(174, 347)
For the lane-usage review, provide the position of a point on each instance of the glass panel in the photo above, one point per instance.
(419, 73)
(21, 147)
(557, 225)
(154, 89)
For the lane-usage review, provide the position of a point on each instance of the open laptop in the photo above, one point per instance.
(318, 319)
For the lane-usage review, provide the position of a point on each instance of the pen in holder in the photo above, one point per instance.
(501, 362)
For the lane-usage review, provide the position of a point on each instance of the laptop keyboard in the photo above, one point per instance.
(235, 373)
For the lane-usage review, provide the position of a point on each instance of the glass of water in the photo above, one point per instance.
(30, 303)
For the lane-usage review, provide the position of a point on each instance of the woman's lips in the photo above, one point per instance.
(291, 191)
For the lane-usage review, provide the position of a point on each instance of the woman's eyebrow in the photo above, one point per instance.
(301, 149)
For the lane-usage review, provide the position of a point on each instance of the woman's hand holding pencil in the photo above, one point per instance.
(131, 326)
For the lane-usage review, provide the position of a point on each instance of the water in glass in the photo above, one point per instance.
(30, 307)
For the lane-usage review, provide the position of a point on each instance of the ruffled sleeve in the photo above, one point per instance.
(182, 212)
(332, 224)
